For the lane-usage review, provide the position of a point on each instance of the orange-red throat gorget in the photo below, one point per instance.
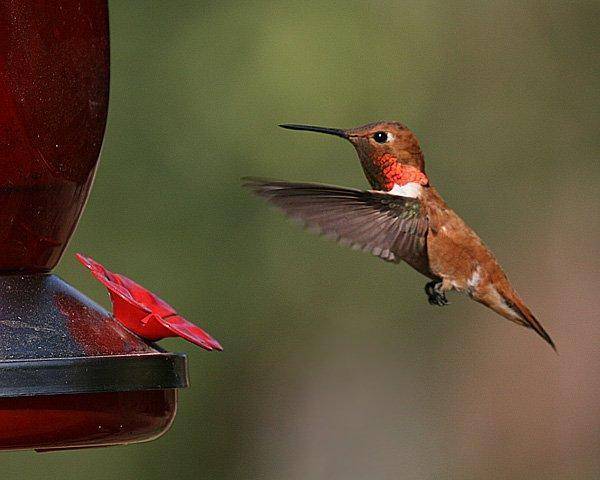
(396, 178)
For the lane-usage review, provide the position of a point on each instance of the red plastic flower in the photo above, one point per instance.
(144, 313)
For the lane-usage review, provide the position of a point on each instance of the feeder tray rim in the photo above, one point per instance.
(96, 374)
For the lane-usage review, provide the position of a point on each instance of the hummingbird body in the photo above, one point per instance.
(403, 218)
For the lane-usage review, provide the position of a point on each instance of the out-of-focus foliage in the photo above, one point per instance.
(335, 366)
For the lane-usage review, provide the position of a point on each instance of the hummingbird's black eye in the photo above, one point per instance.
(380, 137)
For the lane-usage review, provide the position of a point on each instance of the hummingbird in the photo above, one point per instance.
(401, 218)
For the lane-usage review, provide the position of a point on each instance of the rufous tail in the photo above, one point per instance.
(505, 301)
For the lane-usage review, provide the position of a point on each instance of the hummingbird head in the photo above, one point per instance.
(389, 152)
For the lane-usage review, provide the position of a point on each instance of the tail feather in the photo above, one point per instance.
(507, 303)
(529, 320)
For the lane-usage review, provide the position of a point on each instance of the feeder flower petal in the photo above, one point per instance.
(144, 313)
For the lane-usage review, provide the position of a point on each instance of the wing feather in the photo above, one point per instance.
(389, 226)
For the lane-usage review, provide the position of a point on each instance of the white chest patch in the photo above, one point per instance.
(410, 189)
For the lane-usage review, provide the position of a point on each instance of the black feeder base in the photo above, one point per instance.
(71, 376)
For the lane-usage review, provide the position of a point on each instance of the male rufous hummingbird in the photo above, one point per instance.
(403, 218)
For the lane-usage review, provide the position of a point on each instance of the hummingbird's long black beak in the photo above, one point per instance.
(329, 131)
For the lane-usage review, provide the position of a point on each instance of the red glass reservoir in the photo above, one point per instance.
(54, 74)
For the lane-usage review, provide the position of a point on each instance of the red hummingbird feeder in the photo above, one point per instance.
(71, 374)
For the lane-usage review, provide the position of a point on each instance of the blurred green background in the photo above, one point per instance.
(335, 366)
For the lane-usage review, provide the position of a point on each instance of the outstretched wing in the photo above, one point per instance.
(392, 227)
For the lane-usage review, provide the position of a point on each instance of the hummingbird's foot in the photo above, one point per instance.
(435, 294)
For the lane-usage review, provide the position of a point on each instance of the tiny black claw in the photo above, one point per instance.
(434, 295)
